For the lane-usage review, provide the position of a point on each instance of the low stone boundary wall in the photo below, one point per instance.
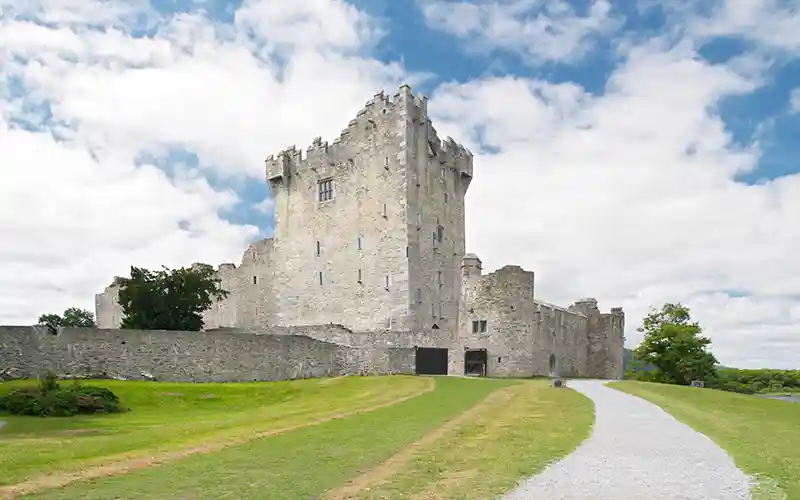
(212, 356)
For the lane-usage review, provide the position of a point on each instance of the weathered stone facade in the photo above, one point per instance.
(231, 356)
(370, 234)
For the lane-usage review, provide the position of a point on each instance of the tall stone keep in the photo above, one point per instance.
(370, 235)
(370, 229)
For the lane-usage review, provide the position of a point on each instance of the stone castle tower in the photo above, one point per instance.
(370, 235)
(370, 229)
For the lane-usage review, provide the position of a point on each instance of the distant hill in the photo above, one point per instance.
(627, 357)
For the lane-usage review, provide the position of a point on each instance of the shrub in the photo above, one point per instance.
(51, 399)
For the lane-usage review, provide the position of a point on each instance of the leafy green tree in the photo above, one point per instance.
(53, 320)
(72, 317)
(168, 299)
(674, 345)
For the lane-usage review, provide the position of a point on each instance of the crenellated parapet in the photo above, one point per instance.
(507, 285)
(380, 113)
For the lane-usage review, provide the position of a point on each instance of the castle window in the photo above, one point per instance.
(419, 296)
(442, 169)
(387, 282)
(440, 233)
(326, 190)
(386, 163)
(359, 275)
(320, 277)
(319, 248)
(384, 209)
(408, 251)
(445, 197)
(479, 326)
(439, 278)
(255, 280)
(359, 242)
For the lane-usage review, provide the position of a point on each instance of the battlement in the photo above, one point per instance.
(452, 154)
(510, 276)
(378, 113)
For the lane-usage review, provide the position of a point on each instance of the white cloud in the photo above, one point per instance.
(794, 101)
(291, 23)
(774, 24)
(75, 209)
(537, 29)
(631, 197)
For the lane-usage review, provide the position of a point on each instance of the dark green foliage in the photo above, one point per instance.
(50, 399)
(673, 345)
(168, 299)
(72, 317)
(761, 381)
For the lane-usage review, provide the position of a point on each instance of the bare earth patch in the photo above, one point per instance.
(125, 464)
(380, 474)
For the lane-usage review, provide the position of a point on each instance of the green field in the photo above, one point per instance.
(412, 436)
(762, 435)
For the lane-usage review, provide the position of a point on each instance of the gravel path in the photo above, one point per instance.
(637, 451)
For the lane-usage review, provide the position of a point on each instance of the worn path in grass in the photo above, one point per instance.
(639, 451)
(296, 465)
(181, 428)
(483, 452)
(762, 435)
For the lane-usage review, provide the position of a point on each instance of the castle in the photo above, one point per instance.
(370, 236)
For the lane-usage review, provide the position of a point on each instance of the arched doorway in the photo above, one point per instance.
(552, 365)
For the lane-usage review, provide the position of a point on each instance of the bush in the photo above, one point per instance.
(50, 399)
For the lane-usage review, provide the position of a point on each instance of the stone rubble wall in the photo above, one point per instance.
(177, 356)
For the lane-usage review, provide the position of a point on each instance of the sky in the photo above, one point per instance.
(637, 152)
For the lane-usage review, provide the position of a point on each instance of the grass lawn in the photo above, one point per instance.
(513, 434)
(518, 428)
(167, 416)
(762, 435)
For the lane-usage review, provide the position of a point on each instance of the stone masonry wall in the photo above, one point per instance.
(344, 260)
(605, 339)
(337, 334)
(439, 174)
(562, 333)
(229, 356)
(607, 345)
(504, 300)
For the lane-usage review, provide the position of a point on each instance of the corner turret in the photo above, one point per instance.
(471, 265)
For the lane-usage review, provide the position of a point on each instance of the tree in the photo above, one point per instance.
(673, 344)
(168, 299)
(72, 317)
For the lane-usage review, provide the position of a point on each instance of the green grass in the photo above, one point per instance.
(301, 464)
(513, 435)
(762, 435)
(167, 416)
